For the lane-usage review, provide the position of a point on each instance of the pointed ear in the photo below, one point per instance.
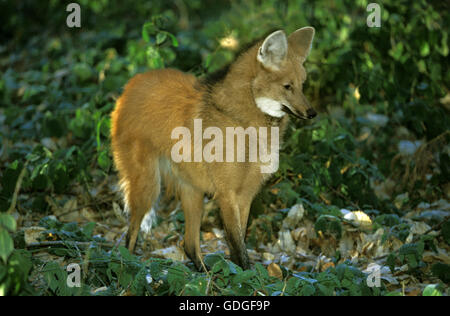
(273, 51)
(301, 41)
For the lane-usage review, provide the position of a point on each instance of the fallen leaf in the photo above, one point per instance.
(32, 234)
(275, 271)
(327, 265)
(285, 241)
(419, 228)
(173, 252)
(359, 218)
(294, 216)
(209, 236)
(267, 256)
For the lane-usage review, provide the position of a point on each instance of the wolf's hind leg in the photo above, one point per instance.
(140, 181)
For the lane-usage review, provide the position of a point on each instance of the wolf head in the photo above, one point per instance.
(277, 87)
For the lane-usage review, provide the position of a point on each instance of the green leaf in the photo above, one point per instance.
(441, 271)
(155, 60)
(394, 293)
(196, 287)
(14, 276)
(125, 253)
(104, 161)
(147, 30)
(177, 277)
(421, 65)
(397, 51)
(126, 278)
(160, 38)
(83, 71)
(55, 277)
(6, 244)
(390, 261)
(211, 259)
(431, 290)
(425, 49)
(308, 290)
(88, 229)
(330, 224)
(244, 276)
(8, 222)
(139, 283)
(174, 39)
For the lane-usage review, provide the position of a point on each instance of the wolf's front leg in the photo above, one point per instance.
(229, 210)
(192, 204)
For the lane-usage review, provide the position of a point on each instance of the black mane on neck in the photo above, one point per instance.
(217, 76)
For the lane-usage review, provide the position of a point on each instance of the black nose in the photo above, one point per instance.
(311, 113)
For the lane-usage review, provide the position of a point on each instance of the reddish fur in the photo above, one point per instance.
(156, 102)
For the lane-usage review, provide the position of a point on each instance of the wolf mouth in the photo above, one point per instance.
(288, 110)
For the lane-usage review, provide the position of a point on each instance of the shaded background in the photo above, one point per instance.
(380, 143)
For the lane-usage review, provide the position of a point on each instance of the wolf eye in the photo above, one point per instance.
(288, 87)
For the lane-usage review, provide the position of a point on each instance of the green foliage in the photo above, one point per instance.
(68, 231)
(330, 224)
(441, 271)
(446, 231)
(344, 280)
(410, 254)
(15, 265)
(158, 54)
(14, 276)
(120, 271)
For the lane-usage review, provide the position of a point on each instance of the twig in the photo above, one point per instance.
(437, 226)
(66, 243)
(120, 240)
(12, 206)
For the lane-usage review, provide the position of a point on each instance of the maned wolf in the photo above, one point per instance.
(257, 91)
